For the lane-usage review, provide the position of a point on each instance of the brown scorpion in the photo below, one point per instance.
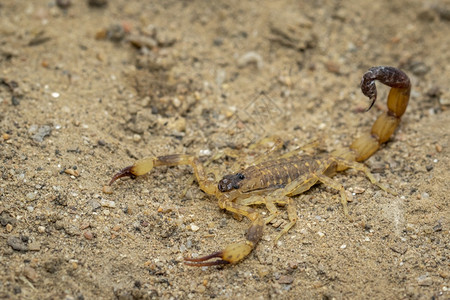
(276, 181)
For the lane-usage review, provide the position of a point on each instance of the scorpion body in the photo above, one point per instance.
(276, 181)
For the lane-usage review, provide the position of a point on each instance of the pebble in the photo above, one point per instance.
(424, 280)
(358, 190)
(88, 235)
(64, 4)
(31, 196)
(9, 227)
(136, 137)
(17, 243)
(194, 227)
(438, 148)
(107, 203)
(6, 136)
(41, 229)
(285, 279)
(143, 41)
(30, 273)
(72, 172)
(107, 189)
(40, 132)
(97, 3)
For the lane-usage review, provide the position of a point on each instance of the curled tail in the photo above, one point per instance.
(367, 144)
(385, 125)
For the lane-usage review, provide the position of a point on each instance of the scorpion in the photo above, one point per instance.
(275, 181)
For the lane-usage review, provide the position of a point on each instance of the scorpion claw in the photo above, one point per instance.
(126, 172)
(232, 254)
(202, 261)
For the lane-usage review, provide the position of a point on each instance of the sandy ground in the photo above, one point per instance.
(85, 91)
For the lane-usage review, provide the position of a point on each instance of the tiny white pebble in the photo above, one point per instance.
(55, 95)
(204, 152)
(321, 234)
(322, 125)
(367, 239)
(107, 203)
(435, 160)
(136, 137)
(41, 229)
(194, 227)
(343, 246)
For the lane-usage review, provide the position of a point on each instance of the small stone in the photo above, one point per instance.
(30, 273)
(6, 136)
(88, 235)
(136, 138)
(107, 203)
(41, 229)
(285, 279)
(293, 265)
(83, 226)
(343, 246)
(72, 172)
(31, 196)
(41, 132)
(107, 189)
(64, 4)
(321, 234)
(97, 3)
(95, 205)
(358, 190)
(194, 227)
(17, 243)
(438, 148)
(201, 289)
(424, 280)
(34, 246)
(9, 227)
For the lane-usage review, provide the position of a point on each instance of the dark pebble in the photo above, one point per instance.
(15, 101)
(17, 243)
(429, 168)
(63, 3)
(97, 3)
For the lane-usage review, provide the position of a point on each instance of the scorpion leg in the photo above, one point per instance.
(292, 216)
(362, 168)
(145, 165)
(235, 252)
(267, 201)
(337, 186)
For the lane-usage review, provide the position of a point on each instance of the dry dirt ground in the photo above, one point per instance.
(85, 91)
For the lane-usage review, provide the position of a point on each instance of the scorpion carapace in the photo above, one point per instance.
(276, 181)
